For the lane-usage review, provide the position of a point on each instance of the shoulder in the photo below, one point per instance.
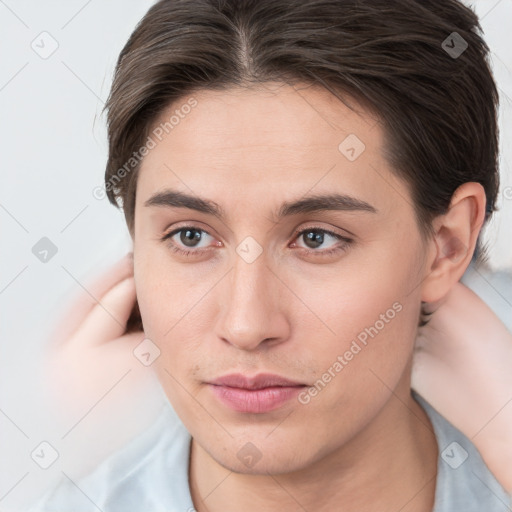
(148, 473)
(464, 482)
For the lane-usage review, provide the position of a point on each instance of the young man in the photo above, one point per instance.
(300, 180)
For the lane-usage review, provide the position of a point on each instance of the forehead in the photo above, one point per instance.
(266, 140)
(279, 116)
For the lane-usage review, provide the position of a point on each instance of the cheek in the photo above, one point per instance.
(368, 316)
(175, 306)
(156, 298)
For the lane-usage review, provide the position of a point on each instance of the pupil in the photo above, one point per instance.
(316, 238)
(189, 235)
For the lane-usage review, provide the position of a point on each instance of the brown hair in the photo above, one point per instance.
(433, 90)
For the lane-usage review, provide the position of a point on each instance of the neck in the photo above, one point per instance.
(390, 465)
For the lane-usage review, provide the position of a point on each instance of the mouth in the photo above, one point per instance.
(258, 394)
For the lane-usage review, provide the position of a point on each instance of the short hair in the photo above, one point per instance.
(420, 66)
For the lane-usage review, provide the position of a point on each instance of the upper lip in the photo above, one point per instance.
(260, 381)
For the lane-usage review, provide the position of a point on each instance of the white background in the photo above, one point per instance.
(53, 154)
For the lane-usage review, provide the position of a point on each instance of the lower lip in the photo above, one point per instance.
(257, 400)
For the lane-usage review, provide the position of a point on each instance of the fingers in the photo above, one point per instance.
(86, 299)
(107, 319)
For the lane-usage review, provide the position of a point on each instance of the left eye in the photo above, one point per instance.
(314, 237)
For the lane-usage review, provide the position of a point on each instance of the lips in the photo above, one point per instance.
(260, 381)
(258, 394)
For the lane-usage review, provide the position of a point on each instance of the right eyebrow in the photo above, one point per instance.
(177, 199)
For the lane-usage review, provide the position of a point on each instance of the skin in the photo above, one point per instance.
(293, 311)
(449, 353)
(91, 339)
(462, 365)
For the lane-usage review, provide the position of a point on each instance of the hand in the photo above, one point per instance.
(462, 366)
(92, 348)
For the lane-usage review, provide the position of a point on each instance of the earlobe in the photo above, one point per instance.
(456, 234)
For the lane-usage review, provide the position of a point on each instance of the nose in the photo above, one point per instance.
(252, 314)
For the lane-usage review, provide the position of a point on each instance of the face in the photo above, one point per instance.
(303, 261)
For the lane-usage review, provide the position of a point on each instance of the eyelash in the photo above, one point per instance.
(327, 252)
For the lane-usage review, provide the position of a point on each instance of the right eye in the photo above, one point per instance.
(189, 236)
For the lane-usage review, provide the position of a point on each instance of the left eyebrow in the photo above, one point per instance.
(317, 203)
(309, 204)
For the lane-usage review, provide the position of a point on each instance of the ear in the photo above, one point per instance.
(452, 247)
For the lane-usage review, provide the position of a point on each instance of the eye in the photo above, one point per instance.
(189, 237)
(187, 240)
(315, 237)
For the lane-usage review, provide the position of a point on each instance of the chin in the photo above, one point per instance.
(250, 460)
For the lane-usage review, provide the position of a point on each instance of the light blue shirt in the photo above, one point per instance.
(150, 474)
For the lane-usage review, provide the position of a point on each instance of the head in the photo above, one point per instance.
(298, 178)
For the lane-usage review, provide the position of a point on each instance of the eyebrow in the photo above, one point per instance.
(309, 204)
